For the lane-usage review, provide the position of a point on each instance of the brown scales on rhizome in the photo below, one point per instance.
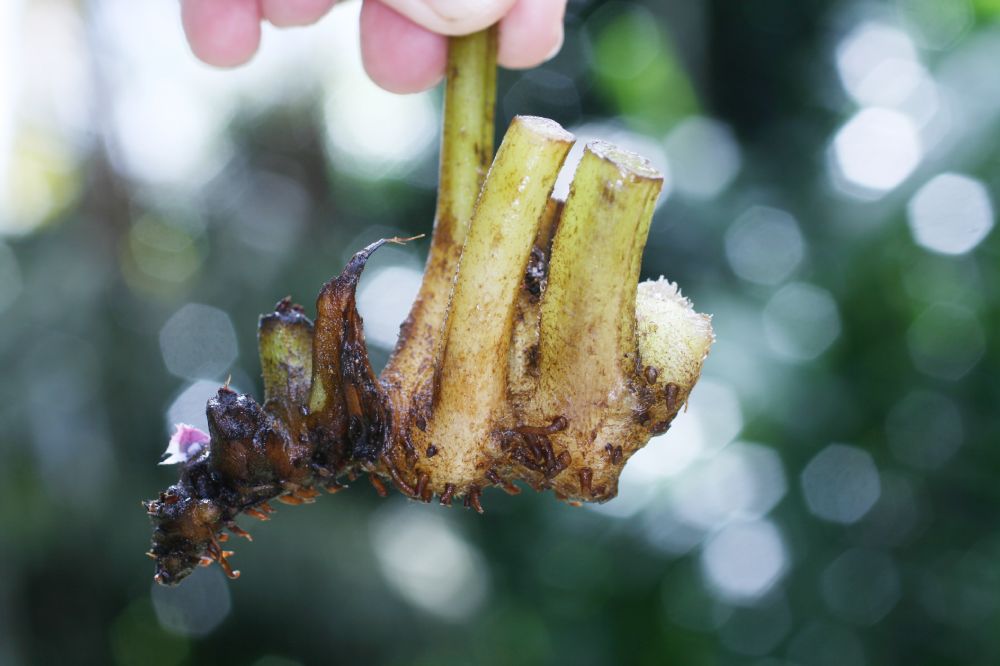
(529, 355)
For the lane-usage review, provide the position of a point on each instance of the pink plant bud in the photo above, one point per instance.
(186, 443)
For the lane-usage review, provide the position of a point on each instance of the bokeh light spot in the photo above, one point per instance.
(719, 412)
(427, 562)
(744, 561)
(378, 133)
(950, 214)
(198, 341)
(764, 245)
(711, 421)
(651, 466)
(664, 530)
(369, 130)
(669, 456)
(874, 152)
(877, 64)
(841, 483)
(705, 157)
(167, 135)
(743, 481)
(801, 321)
(44, 184)
(195, 608)
(164, 251)
(384, 302)
(271, 212)
(696, 432)
(189, 407)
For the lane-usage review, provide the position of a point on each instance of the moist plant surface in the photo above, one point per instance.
(531, 353)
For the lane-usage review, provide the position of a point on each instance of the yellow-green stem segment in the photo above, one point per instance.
(474, 361)
(588, 311)
(466, 153)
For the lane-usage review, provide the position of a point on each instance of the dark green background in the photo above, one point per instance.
(915, 581)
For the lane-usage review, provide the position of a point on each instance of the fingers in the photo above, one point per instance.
(403, 46)
(407, 53)
(224, 33)
(531, 33)
(285, 13)
(454, 17)
(398, 54)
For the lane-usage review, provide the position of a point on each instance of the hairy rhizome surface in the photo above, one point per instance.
(529, 355)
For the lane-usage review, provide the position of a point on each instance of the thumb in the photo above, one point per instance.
(453, 17)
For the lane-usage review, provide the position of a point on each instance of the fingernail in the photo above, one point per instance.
(555, 50)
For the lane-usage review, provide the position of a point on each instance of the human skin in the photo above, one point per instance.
(403, 42)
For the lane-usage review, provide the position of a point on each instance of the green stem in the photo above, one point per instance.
(588, 310)
(466, 154)
(503, 231)
(467, 135)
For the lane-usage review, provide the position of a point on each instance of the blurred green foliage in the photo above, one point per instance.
(842, 318)
(636, 68)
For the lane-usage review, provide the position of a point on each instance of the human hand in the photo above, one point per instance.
(403, 42)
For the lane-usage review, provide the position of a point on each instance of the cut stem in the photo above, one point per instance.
(492, 268)
(474, 361)
(466, 153)
(588, 310)
(284, 338)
